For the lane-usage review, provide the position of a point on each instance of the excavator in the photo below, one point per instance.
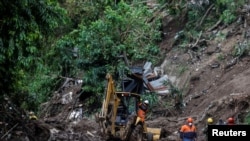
(118, 118)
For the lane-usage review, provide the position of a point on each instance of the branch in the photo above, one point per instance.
(207, 12)
(197, 41)
(213, 27)
(9, 131)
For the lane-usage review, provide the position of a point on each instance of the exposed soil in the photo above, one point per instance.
(213, 83)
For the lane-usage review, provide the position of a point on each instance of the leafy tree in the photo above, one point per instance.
(25, 26)
(123, 28)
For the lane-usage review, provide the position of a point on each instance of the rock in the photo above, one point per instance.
(173, 138)
(211, 50)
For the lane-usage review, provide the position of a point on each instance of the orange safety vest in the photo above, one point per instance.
(142, 111)
(188, 132)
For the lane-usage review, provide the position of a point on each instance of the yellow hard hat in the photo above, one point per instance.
(209, 120)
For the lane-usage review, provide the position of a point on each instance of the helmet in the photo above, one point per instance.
(189, 120)
(146, 102)
(230, 120)
(209, 120)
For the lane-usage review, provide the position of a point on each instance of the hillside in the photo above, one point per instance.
(213, 81)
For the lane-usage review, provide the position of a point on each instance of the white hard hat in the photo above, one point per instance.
(146, 102)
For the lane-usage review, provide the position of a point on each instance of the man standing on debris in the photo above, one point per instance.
(143, 109)
(188, 131)
(205, 130)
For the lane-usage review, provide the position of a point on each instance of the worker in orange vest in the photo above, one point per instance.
(143, 109)
(188, 131)
(141, 113)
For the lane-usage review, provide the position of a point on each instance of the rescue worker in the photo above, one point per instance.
(210, 121)
(32, 116)
(188, 131)
(221, 122)
(230, 121)
(143, 109)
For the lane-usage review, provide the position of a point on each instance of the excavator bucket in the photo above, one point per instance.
(156, 133)
(152, 134)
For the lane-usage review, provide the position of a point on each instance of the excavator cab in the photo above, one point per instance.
(122, 115)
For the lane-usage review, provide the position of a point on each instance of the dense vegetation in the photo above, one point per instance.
(43, 41)
(81, 37)
(26, 31)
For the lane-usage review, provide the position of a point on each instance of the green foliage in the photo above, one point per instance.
(221, 57)
(24, 27)
(226, 9)
(173, 7)
(186, 36)
(232, 5)
(228, 17)
(241, 49)
(176, 94)
(151, 97)
(122, 28)
(247, 118)
(195, 12)
(103, 31)
(220, 37)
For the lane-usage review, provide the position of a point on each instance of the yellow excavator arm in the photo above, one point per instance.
(118, 117)
(109, 107)
(110, 92)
